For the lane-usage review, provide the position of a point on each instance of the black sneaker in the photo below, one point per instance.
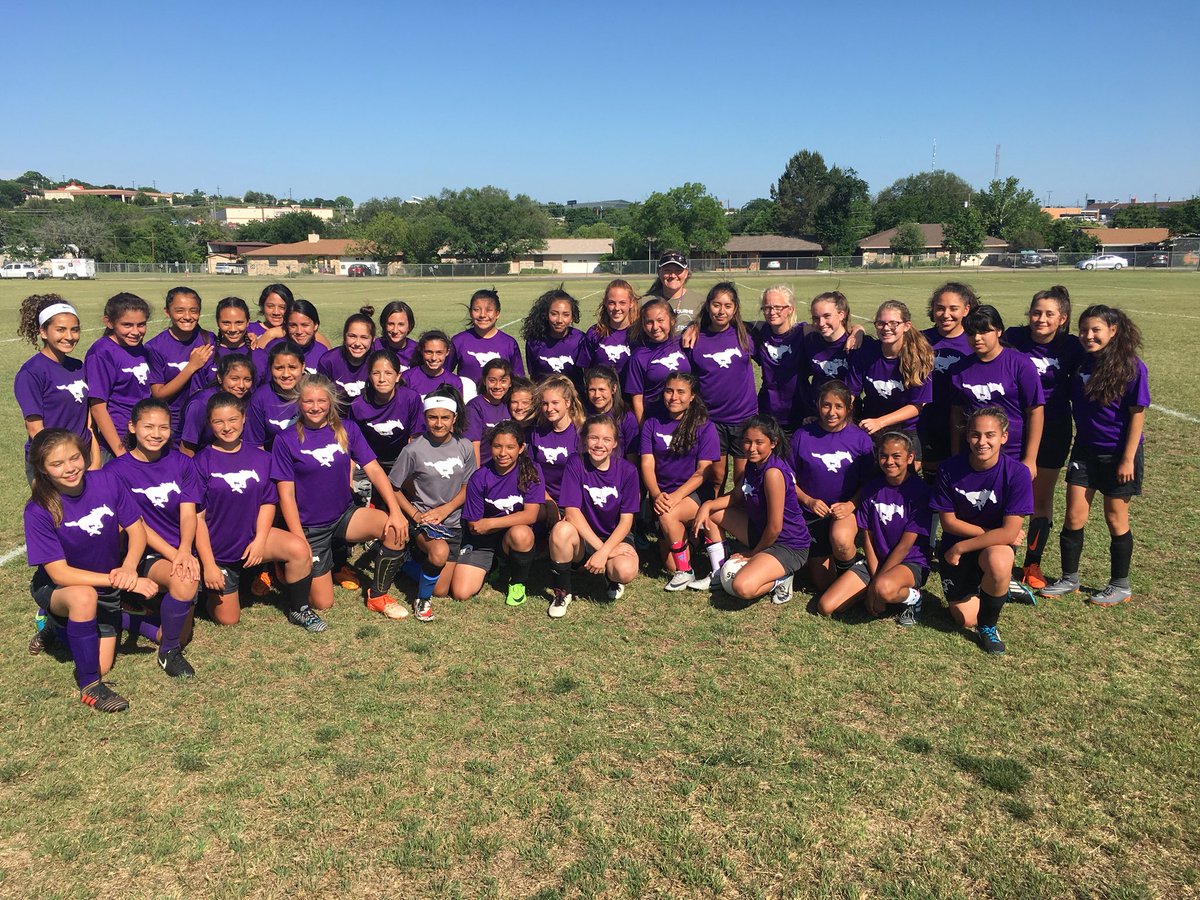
(306, 619)
(101, 697)
(989, 639)
(423, 609)
(175, 664)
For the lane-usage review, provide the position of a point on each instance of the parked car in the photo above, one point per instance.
(774, 264)
(1029, 259)
(228, 268)
(1049, 257)
(358, 270)
(1160, 260)
(1103, 261)
(23, 270)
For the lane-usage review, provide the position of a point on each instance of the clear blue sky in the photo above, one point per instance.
(592, 101)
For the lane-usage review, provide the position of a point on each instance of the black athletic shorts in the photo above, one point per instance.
(730, 437)
(1056, 442)
(962, 580)
(818, 529)
(108, 604)
(920, 574)
(322, 538)
(1090, 469)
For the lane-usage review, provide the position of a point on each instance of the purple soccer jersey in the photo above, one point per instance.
(651, 366)
(1103, 427)
(407, 354)
(551, 449)
(491, 495)
(258, 359)
(160, 487)
(314, 352)
(887, 511)
(482, 414)
(319, 469)
(673, 469)
(119, 376)
(780, 358)
(469, 352)
(824, 361)
(56, 393)
(947, 353)
(832, 465)
(794, 533)
(1055, 361)
(1009, 381)
(347, 373)
(388, 426)
(235, 485)
(984, 497)
(883, 386)
(195, 431)
(89, 537)
(602, 496)
(424, 383)
(168, 357)
(628, 431)
(267, 415)
(556, 356)
(612, 350)
(726, 376)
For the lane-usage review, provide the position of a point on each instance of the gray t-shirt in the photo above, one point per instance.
(438, 472)
(687, 308)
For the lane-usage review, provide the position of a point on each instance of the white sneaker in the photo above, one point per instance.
(706, 582)
(615, 591)
(679, 581)
(558, 606)
(782, 593)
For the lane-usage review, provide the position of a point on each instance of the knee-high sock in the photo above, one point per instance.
(989, 609)
(387, 564)
(1039, 532)
(1070, 545)
(428, 581)
(560, 576)
(521, 563)
(682, 556)
(83, 639)
(296, 593)
(716, 554)
(1120, 556)
(174, 614)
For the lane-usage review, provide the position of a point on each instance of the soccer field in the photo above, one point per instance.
(663, 745)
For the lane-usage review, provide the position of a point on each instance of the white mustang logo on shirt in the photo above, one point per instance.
(777, 352)
(485, 357)
(831, 366)
(666, 438)
(507, 505)
(553, 454)
(984, 392)
(670, 362)
(325, 455)
(614, 351)
(159, 493)
(352, 388)
(77, 388)
(1045, 363)
(283, 424)
(747, 490)
(886, 387)
(386, 429)
(445, 467)
(237, 481)
(888, 511)
(93, 522)
(140, 371)
(557, 363)
(943, 361)
(600, 495)
(978, 499)
(833, 461)
(725, 357)
(178, 367)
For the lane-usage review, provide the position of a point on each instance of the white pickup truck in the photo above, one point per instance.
(23, 270)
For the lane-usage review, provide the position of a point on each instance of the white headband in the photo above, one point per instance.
(53, 310)
(441, 403)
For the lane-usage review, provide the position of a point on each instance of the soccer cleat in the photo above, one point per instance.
(262, 584)
(101, 697)
(1061, 588)
(558, 606)
(423, 609)
(516, 595)
(911, 614)
(615, 590)
(782, 592)
(175, 664)
(307, 619)
(1032, 576)
(1020, 592)
(706, 582)
(383, 603)
(41, 636)
(680, 580)
(989, 639)
(347, 578)
(1110, 595)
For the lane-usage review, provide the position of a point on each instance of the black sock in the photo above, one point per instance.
(560, 576)
(387, 564)
(989, 609)
(296, 593)
(520, 562)
(1039, 533)
(844, 565)
(1120, 555)
(1070, 546)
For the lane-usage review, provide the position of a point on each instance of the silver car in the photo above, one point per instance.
(1103, 261)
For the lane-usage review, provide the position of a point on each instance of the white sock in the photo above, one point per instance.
(716, 555)
(778, 581)
(914, 597)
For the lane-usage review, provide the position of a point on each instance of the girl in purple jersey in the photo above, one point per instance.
(996, 375)
(483, 340)
(831, 457)
(611, 340)
(520, 403)
(433, 370)
(894, 373)
(779, 352)
(893, 513)
(303, 324)
(656, 356)
(235, 532)
(982, 498)
(555, 436)
(600, 496)
(1056, 354)
(388, 410)
(311, 464)
(826, 351)
(274, 304)
(396, 323)
(552, 343)
(235, 375)
(948, 306)
(272, 408)
(504, 501)
(1109, 395)
(678, 448)
(118, 371)
(180, 355)
(489, 407)
(51, 387)
(74, 522)
(603, 392)
(233, 320)
(167, 492)
(720, 360)
(346, 366)
(763, 513)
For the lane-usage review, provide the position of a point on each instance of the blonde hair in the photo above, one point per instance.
(916, 356)
(604, 326)
(334, 418)
(789, 295)
(566, 387)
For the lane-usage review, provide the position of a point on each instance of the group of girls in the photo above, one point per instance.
(445, 458)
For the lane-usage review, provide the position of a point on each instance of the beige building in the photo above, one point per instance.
(877, 249)
(570, 256)
(71, 191)
(233, 216)
(317, 255)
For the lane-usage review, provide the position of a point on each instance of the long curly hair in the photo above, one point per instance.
(1115, 365)
(536, 326)
(31, 308)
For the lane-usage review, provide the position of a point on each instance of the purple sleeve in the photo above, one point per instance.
(99, 370)
(571, 491)
(631, 490)
(191, 490)
(281, 461)
(41, 537)
(633, 434)
(633, 377)
(127, 510)
(923, 392)
(708, 445)
(475, 428)
(1029, 384)
(1018, 500)
(941, 499)
(1139, 388)
(514, 357)
(29, 393)
(860, 514)
(255, 431)
(360, 450)
(646, 439)
(158, 365)
(452, 354)
(472, 510)
(193, 422)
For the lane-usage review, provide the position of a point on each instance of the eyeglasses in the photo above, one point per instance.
(774, 309)
(881, 325)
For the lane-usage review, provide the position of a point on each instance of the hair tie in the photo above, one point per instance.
(440, 403)
(53, 310)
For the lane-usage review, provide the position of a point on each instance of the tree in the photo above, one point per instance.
(756, 217)
(33, 179)
(383, 239)
(1183, 219)
(286, 229)
(813, 200)
(1065, 235)
(964, 234)
(908, 240)
(1006, 207)
(1026, 239)
(924, 197)
(487, 225)
(686, 218)
(1140, 215)
(341, 201)
(11, 194)
(260, 198)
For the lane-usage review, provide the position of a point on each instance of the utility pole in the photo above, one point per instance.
(996, 170)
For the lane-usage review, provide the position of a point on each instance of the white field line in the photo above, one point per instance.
(11, 555)
(1187, 417)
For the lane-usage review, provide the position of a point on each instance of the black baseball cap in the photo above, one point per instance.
(673, 258)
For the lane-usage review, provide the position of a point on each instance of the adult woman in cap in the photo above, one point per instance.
(671, 285)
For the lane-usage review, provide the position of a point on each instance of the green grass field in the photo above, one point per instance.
(664, 745)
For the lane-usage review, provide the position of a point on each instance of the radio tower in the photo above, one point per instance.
(996, 172)
(933, 162)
